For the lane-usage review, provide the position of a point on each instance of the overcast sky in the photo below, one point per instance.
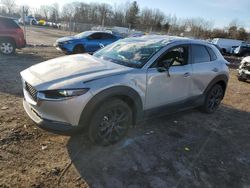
(220, 12)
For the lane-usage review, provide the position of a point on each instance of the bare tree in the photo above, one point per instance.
(45, 9)
(25, 8)
(69, 11)
(10, 5)
(54, 12)
(105, 10)
(119, 13)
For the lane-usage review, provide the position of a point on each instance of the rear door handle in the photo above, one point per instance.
(215, 69)
(187, 74)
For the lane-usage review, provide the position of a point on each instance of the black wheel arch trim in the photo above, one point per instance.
(220, 78)
(116, 92)
(7, 38)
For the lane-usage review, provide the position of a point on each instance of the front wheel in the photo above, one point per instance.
(78, 49)
(7, 47)
(213, 99)
(110, 122)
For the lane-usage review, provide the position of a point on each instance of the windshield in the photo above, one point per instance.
(131, 53)
(83, 34)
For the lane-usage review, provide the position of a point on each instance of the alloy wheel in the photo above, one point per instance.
(215, 98)
(113, 125)
(6, 48)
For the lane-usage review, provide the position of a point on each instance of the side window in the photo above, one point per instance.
(176, 56)
(200, 54)
(8, 23)
(212, 54)
(96, 36)
(107, 36)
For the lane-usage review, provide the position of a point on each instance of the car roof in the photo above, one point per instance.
(91, 32)
(165, 39)
(6, 18)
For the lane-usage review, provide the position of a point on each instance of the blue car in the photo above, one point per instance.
(85, 42)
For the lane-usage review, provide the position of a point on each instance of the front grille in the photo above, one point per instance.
(31, 90)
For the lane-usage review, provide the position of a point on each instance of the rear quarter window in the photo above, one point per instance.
(8, 23)
(212, 54)
(200, 54)
(107, 36)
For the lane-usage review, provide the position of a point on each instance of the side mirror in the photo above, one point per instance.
(89, 38)
(161, 69)
(164, 67)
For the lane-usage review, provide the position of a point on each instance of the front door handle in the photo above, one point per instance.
(215, 69)
(187, 74)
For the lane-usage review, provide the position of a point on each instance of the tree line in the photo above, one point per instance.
(130, 15)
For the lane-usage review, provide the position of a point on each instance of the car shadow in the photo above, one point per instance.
(10, 68)
(187, 149)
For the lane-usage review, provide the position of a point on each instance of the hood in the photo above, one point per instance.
(67, 70)
(64, 39)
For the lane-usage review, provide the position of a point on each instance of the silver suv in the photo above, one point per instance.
(123, 83)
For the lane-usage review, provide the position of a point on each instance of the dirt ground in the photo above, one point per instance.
(188, 149)
(44, 36)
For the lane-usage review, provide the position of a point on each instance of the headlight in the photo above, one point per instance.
(67, 42)
(61, 94)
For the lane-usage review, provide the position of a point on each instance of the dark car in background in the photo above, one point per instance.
(88, 41)
(11, 36)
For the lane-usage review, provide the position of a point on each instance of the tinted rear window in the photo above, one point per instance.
(200, 54)
(107, 36)
(9, 23)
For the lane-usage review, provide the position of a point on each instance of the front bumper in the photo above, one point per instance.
(244, 74)
(49, 125)
(62, 48)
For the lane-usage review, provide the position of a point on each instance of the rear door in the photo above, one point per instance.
(205, 68)
(107, 38)
(93, 43)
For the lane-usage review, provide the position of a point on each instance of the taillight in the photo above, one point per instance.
(19, 31)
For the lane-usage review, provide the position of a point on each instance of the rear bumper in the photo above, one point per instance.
(49, 125)
(21, 44)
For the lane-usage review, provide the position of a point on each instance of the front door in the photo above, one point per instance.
(172, 86)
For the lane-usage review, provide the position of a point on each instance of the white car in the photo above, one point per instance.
(244, 69)
(30, 20)
(227, 45)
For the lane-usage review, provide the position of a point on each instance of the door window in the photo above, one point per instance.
(176, 56)
(107, 36)
(95, 36)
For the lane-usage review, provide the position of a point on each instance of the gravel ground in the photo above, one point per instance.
(187, 149)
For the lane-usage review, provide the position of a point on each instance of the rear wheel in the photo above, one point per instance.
(7, 47)
(213, 99)
(110, 122)
(78, 49)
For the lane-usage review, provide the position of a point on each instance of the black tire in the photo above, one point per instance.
(7, 47)
(78, 49)
(241, 79)
(213, 99)
(110, 122)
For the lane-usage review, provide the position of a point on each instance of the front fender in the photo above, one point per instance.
(116, 91)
